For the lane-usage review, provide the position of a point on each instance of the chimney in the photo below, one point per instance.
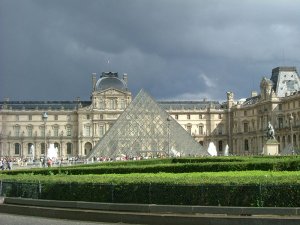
(230, 97)
(125, 78)
(253, 94)
(94, 79)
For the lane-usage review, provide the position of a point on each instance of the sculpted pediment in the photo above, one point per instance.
(111, 91)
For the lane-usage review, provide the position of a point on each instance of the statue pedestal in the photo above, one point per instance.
(271, 147)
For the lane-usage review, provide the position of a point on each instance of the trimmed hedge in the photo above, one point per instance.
(205, 195)
(178, 166)
(245, 188)
(277, 183)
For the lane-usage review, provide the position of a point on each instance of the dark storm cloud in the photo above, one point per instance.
(173, 49)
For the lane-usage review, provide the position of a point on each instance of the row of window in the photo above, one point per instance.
(88, 131)
(30, 117)
(246, 141)
(288, 105)
(32, 150)
(200, 116)
(281, 123)
(30, 133)
(219, 129)
(88, 117)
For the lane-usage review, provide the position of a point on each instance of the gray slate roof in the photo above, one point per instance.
(71, 105)
(189, 105)
(43, 105)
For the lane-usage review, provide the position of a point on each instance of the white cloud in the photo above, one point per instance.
(209, 82)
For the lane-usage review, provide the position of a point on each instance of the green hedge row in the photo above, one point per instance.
(190, 160)
(233, 159)
(223, 178)
(237, 188)
(205, 195)
(127, 163)
(280, 164)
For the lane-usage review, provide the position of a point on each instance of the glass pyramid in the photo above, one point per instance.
(144, 129)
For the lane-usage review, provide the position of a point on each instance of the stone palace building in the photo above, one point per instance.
(75, 127)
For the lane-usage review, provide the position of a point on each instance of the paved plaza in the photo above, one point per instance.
(9, 219)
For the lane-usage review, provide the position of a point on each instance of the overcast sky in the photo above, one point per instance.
(175, 50)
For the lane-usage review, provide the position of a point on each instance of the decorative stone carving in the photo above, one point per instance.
(230, 96)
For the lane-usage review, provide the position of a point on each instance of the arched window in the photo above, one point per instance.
(87, 148)
(30, 148)
(246, 145)
(42, 148)
(246, 126)
(17, 149)
(69, 148)
(220, 146)
(56, 145)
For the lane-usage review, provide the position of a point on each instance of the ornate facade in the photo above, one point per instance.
(74, 127)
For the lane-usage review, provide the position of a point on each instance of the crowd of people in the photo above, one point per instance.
(6, 163)
(123, 157)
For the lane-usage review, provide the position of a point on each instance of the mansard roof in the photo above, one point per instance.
(285, 81)
(252, 100)
(43, 105)
(275, 72)
(189, 105)
(71, 105)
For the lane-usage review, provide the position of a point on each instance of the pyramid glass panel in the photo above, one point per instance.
(144, 129)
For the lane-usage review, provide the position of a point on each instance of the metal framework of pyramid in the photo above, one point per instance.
(145, 129)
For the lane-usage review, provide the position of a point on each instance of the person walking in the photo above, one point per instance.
(9, 164)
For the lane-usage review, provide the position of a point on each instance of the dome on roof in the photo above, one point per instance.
(110, 80)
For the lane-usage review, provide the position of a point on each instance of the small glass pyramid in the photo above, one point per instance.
(144, 129)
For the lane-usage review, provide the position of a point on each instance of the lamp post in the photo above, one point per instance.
(291, 124)
(45, 117)
(169, 120)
